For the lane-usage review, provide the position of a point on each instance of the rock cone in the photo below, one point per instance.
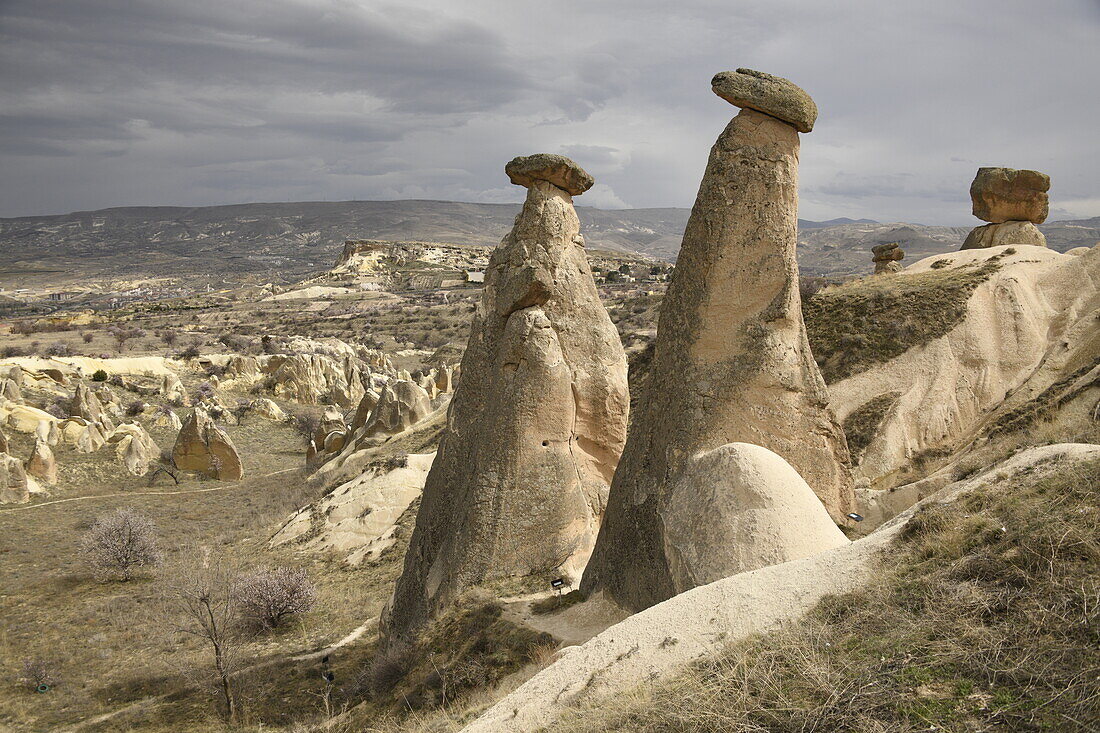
(535, 427)
(731, 361)
(204, 447)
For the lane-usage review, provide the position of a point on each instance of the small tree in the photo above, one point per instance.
(204, 602)
(169, 337)
(267, 597)
(87, 337)
(119, 543)
(37, 674)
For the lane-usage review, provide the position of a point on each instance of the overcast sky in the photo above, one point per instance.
(195, 102)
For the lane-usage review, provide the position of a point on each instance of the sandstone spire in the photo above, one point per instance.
(731, 360)
(537, 422)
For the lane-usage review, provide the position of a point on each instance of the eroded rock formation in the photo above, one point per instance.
(731, 361)
(886, 258)
(1013, 201)
(203, 447)
(537, 422)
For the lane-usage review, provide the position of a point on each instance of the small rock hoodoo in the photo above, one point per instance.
(1013, 201)
(887, 258)
(731, 361)
(537, 422)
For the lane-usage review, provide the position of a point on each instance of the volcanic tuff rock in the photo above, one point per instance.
(886, 257)
(731, 362)
(556, 169)
(1007, 194)
(535, 427)
(772, 95)
(42, 464)
(1010, 232)
(15, 486)
(737, 508)
(204, 447)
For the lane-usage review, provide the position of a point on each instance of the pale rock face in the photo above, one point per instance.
(167, 419)
(1010, 232)
(737, 508)
(403, 404)
(172, 389)
(85, 404)
(82, 434)
(443, 379)
(134, 447)
(312, 379)
(772, 95)
(358, 519)
(267, 409)
(203, 447)
(24, 418)
(1007, 195)
(534, 429)
(15, 487)
(42, 464)
(731, 362)
(47, 432)
(9, 389)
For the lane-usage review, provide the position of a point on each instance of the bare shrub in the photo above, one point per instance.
(87, 337)
(203, 601)
(38, 674)
(58, 348)
(135, 408)
(123, 335)
(268, 597)
(169, 337)
(119, 543)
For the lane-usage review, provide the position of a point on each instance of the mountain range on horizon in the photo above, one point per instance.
(285, 241)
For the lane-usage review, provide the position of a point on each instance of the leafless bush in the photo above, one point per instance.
(203, 602)
(122, 335)
(135, 408)
(119, 543)
(59, 348)
(169, 337)
(268, 597)
(38, 674)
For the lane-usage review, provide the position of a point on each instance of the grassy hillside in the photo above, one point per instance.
(985, 617)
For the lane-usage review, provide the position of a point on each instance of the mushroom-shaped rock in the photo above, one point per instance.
(555, 169)
(203, 447)
(772, 95)
(1001, 195)
(534, 429)
(886, 257)
(42, 464)
(740, 507)
(731, 362)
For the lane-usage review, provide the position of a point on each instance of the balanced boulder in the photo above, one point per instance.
(1006, 194)
(731, 361)
(772, 95)
(886, 258)
(536, 424)
(557, 170)
(1013, 201)
(203, 447)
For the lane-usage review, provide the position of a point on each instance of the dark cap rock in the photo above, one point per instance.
(1006, 194)
(555, 169)
(772, 95)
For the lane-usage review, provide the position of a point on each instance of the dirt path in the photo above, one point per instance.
(226, 487)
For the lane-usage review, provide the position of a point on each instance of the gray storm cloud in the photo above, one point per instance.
(112, 103)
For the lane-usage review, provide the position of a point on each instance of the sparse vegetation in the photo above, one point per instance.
(853, 326)
(984, 616)
(120, 543)
(267, 597)
(861, 426)
(38, 674)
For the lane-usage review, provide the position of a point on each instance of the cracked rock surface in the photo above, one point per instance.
(535, 427)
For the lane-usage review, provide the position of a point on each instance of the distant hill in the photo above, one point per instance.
(286, 241)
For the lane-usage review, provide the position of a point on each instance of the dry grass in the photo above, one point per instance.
(987, 615)
(856, 325)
